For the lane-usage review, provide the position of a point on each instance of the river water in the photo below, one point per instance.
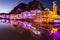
(8, 32)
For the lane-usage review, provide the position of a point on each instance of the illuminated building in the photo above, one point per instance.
(7, 16)
(48, 15)
(54, 12)
(30, 14)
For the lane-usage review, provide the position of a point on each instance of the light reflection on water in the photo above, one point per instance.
(28, 25)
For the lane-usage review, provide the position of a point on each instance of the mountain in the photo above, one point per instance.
(19, 8)
(35, 5)
(26, 7)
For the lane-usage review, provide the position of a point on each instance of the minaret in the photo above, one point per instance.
(54, 7)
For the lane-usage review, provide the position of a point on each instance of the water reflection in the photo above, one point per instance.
(34, 28)
(27, 24)
(39, 29)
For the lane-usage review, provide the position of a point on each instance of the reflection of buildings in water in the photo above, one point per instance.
(16, 22)
(19, 24)
(4, 21)
(29, 26)
(57, 20)
(57, 26)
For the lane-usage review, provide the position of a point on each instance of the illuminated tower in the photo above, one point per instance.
(54, 8)
(54, 12)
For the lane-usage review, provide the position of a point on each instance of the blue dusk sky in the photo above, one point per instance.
(7, 5)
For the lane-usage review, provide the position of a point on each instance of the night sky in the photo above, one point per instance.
(7, 5)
